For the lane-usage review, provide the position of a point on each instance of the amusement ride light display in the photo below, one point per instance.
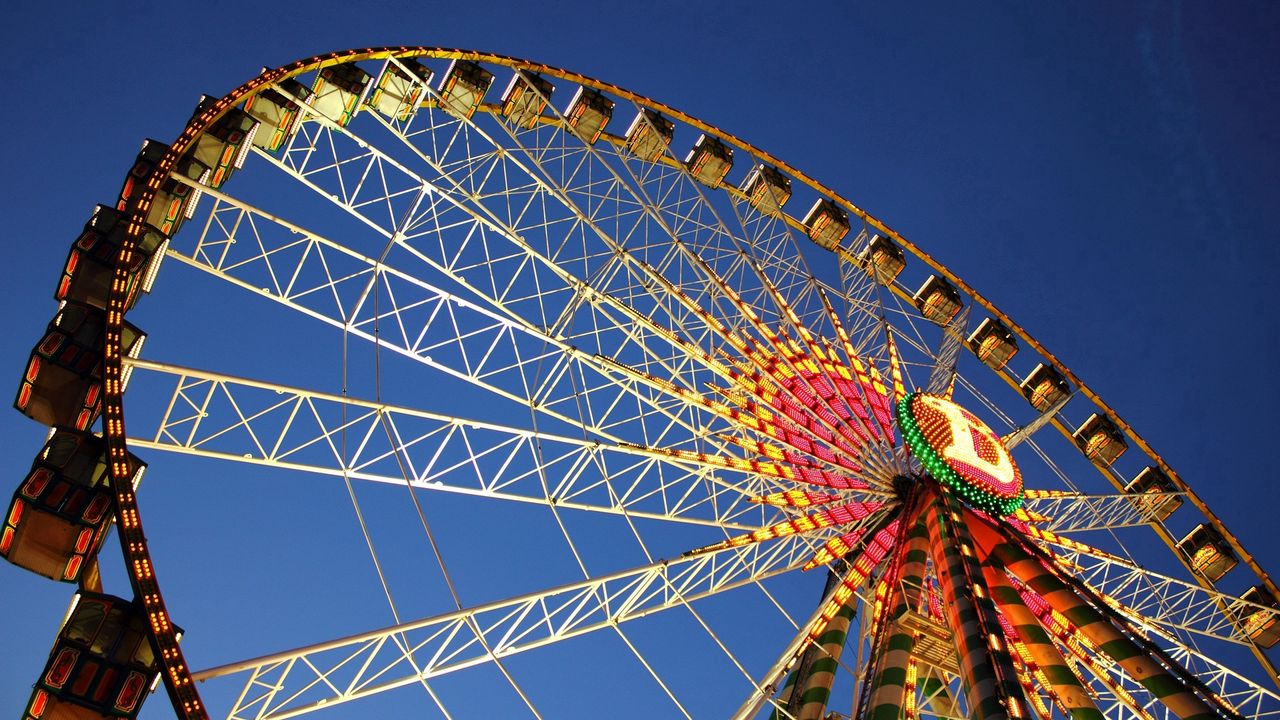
(617, 328)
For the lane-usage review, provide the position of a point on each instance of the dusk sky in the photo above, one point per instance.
(1106, 174)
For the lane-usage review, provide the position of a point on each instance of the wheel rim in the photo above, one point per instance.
(779, 262)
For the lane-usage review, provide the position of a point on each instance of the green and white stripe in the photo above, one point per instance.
(816, 670)
(1070, 692)
(822, 673)
(990, 680)
(889, 685)
(1140, 663)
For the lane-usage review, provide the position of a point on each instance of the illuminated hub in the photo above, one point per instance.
(960, 451)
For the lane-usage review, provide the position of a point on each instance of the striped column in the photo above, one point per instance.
(990, 681)
(1138, 662)
(1070, 691)
(822, 673)
(808, 687)
(1082, 651)
(816, 670)
(890, 684)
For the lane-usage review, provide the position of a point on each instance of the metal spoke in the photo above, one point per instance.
(1158, 600)
(1076, 512)
(595, 328)
(291, 683)
(233, 419)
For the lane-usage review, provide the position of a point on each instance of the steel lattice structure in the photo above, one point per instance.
(563, 312)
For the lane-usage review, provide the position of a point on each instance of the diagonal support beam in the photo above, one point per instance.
(228, 418)
(287, 684)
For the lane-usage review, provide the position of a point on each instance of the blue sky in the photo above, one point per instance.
(1107, 175)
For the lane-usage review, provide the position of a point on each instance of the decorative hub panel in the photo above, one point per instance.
(961, 452)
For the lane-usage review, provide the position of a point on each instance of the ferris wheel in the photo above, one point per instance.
(557, 396)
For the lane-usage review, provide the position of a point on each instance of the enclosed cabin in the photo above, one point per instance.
(338, 90)
(62, 385)
(1260, 624)
(60, 513)
(525, 98)
(767, 189)
(90, 268)
(1044, 388)
(993, 344)
(175, 201)
(1154, 483)
(709, 161)
(463, 88)
(883, 259)
(102, 666)
(1208, 552)
(1100, 440)
(225, 144)
(937, 300)
(588, 114)
(278, 110)
(649, 134)
(400, 88)
(826, 224)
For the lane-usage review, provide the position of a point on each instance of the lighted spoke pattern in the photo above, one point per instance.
(679, 353)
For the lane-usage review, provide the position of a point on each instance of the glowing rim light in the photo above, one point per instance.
(981, 489)
(838, 415)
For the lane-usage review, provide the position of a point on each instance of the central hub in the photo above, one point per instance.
(960, 451)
